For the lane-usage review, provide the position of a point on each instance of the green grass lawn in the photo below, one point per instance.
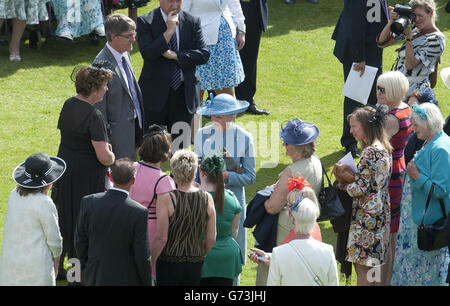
(298, 77)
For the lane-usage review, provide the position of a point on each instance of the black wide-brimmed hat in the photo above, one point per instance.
(39, 170)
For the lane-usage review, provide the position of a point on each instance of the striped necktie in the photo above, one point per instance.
(175, 81)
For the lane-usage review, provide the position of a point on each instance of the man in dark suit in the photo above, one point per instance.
(122, 105)
(172, 45)
(256, 13)
(111, 237)
(356, 35)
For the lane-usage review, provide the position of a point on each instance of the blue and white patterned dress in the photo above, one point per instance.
(32, 11)
(224, 67)
(77, 18)
(414, 267)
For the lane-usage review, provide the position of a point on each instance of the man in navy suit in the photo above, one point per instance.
(256, 17)
(111, 236)
(356, 35)
(172, 45)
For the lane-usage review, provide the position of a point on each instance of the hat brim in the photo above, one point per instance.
(445, 76)
(311, 138)
(208, 109)
(22, 179)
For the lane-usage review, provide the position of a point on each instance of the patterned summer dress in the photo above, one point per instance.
(370, 224)
(77, 18)
(224, 68)
(414, 267)
(32, 11)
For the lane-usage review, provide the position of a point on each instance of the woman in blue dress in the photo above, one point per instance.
(431, 165)
(223, 29)
(77, 18)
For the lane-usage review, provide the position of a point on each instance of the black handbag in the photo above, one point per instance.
(432, 237)
(330, 204)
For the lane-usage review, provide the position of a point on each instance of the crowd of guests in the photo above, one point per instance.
(188, 228)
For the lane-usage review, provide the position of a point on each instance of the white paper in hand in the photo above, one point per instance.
(348, 160)
(358, 88)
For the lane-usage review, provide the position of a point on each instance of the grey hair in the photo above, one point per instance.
(434, 122)
(117, 24)
(305, 217)
(306, 150)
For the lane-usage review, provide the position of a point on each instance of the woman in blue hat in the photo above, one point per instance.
(299, 140)
(224, 136)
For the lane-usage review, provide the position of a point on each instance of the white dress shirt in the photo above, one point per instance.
(209, 12)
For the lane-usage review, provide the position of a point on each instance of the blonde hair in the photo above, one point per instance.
(183, 165)
(305, 192)
(395, 84)
(428, 5)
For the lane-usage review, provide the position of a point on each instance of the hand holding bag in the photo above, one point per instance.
(432, 237)
(330, 204)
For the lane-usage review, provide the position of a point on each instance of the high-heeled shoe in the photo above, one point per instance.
(14, 58)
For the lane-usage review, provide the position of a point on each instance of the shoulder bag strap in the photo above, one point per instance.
(324, 173)
(428, 203)
(315, 277)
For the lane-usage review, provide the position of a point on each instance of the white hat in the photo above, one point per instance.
(445, 75)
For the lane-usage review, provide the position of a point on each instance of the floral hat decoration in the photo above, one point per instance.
(214, 163)
(297, 183)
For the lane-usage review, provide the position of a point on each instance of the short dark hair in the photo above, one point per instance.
(155, 148)
(88, 78)
(123, 171)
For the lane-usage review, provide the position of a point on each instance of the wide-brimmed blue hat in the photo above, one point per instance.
(298, 132)
(222, 104)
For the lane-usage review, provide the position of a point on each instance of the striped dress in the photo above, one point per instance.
(398, 142)
(427, 48)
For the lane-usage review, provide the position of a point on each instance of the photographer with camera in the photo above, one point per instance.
(424, 43)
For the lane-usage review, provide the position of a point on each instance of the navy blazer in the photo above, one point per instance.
(156, 72)
(111, 240)
(357, 29)
(265, 232)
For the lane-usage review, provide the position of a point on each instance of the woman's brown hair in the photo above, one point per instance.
(372, 121)
(216, 177)
(88, 78)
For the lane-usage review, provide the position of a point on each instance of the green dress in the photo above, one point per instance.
(224, 259)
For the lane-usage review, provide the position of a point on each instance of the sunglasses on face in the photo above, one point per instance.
(381, 89)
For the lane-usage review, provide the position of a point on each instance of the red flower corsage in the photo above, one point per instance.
(297, 183)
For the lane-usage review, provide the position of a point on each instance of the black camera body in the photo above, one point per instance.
(405, 14)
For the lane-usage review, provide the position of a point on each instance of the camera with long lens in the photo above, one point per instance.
(405, 13)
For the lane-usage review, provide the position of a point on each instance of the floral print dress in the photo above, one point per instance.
(32, 11)
(370, 224)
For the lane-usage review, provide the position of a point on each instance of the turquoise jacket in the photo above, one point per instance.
(433, 162)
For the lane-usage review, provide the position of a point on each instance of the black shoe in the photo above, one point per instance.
(352, 148)
(253, 109)
(289, 1)
(313, 1)
(35, 39)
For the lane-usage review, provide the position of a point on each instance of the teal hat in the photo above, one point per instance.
(222, 104)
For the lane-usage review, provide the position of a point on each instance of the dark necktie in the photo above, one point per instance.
(132, 87)
(175, 81)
